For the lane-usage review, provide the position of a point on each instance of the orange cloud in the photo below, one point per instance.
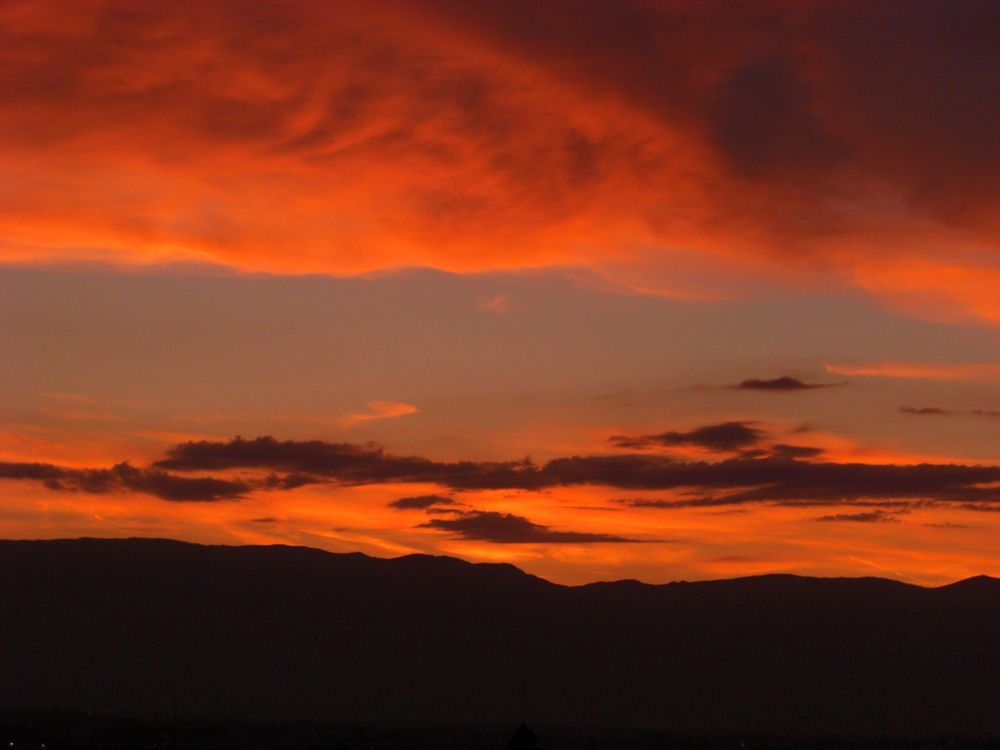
(921, 371)
(955, 289)
(342, 138)
(931, 544)
(380, 410)
(499, 304)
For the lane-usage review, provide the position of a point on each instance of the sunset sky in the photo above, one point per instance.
(631, 289)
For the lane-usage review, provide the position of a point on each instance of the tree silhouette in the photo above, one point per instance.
(522, 739)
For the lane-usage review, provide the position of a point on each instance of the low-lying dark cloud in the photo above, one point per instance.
(872, 516)
(346, 463)
(780, 384)
(984, 507)
(739, 480)
(929, 411)
(749, 480)
(506, 528)
(778, 476)
(780, 450)
(693, 502)
(290, 481)
(725, 437)
(422, 502)
(124, 477)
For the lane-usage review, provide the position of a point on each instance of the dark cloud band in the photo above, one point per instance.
(779, 477)
(124, 477)
(728, 436)
(421, 502)
(506, 528)
(781, 384)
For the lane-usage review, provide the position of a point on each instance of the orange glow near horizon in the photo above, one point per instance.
(474, 232)
(679, 544)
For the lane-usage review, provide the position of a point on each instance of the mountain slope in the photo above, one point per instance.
(286, 632)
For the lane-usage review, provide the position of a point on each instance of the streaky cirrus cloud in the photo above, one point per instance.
(988, 372)
(507, 528)
(380, 410)
(499, 304)
(345, 137)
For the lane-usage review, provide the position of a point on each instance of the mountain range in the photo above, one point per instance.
(163, 627)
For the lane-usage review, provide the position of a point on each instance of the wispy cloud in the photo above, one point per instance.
(499, 304)
(920, 370)
(380, 410)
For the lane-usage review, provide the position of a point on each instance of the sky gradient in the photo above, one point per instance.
(656, 290)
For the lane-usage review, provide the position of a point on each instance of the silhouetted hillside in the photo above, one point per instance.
(282, 632)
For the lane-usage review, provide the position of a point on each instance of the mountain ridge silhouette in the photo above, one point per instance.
(285, 632)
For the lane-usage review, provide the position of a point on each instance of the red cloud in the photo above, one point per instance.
(346, 137)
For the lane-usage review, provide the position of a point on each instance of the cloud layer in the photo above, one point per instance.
(783, 476)
(728, 436)
(507, 528)
(422, 502)
(345, 137)
(124, 477)
(784, 383)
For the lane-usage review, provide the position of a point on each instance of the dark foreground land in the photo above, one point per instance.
(148, 627)
(53, 730)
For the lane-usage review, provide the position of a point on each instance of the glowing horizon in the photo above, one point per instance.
(475, 233)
